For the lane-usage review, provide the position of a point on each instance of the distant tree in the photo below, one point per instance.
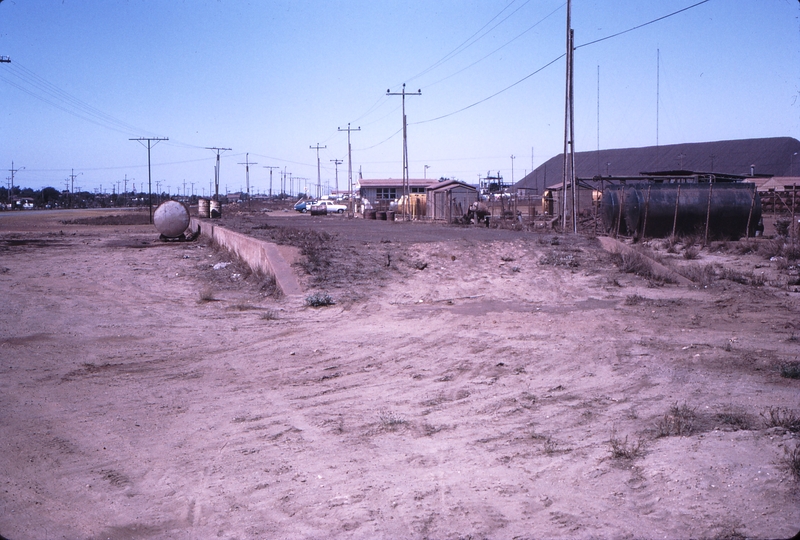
(48, 195)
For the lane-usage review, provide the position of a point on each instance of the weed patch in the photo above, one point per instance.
(701, 274)
(792, 461)
(783, 417)
(319, 300)
(691, 253)
(790, 370)
(206, 295)
(678, 421)
(622, 449)
(634, 300)
(390, 420)
(735, 419)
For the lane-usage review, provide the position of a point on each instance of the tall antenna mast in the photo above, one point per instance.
(598, 120)
(658, 91)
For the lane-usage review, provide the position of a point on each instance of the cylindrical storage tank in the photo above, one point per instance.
(202, 208)
(381, 215)
(654, 209)
(215, 209)
(370, 214)
(171, 219)
(390, 216)
(319, 210)
(610, 210)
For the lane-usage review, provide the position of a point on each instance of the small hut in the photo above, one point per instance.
(450, 200)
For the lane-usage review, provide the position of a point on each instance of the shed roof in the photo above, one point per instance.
(450, 184)
(779, 183)
(395, 182)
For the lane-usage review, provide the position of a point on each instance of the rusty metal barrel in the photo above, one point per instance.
(215, 209)
(717, 209)
(203, 210)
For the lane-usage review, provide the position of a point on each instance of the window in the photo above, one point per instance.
(417, 190)
(386, 193)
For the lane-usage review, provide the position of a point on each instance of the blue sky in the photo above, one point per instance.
(272, 78)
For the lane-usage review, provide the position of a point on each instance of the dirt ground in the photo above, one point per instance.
(466, 383)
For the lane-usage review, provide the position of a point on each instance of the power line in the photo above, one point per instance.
(470, 41)
(642, 25)
(509, 87)
(506, 44)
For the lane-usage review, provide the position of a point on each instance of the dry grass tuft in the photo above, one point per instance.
(678, 421)
(784, 417)
(792, 461)
(206, 295)
(269, 315)
(701, 274)
(735, 418)
(622, 449)
(790, 370)
(691, 253)
(319, 300)
(634, 300)
(390, 420)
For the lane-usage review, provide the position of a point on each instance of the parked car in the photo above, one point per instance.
(304, 205)
(331, 206)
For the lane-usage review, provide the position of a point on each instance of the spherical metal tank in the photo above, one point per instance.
(171, 219)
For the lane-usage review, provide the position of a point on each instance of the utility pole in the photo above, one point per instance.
(150, 144)
(336, 163)
(403, 93)
(512, 168)
(569, 130)
(216, 172)
(72, 177)
(270, 178)
(12, 170)
(126, 188)
(158, 192)
(247, 175)
(319, 179)
(192, 193)
(349, 167)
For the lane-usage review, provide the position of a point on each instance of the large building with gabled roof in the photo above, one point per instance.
(774, 156)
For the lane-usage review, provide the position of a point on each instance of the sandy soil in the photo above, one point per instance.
(468, 383)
